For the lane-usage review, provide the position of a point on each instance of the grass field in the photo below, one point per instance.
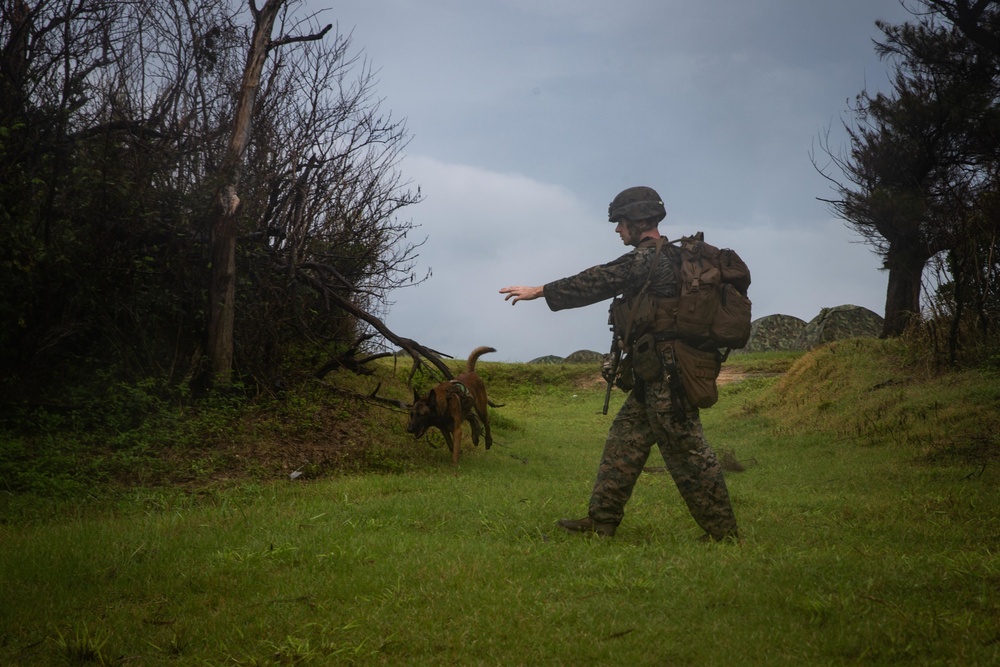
(869, 510)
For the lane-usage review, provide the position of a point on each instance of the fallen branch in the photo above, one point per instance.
(387, 401)
(350, 361)
(372, 397)
(410, 346)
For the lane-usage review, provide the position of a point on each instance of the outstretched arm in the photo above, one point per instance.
(522, 293)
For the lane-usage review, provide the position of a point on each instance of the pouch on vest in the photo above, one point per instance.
(646, 362)
(626, 378)
(698, 370)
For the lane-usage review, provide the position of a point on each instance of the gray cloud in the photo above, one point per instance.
(528, 117)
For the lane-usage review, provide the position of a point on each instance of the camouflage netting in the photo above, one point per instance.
(585, 357)
(845, 321)
(548, 359)
(774, 333)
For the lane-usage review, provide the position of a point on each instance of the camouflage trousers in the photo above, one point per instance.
(689, 459)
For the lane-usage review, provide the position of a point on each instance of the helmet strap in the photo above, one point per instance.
(636, 228)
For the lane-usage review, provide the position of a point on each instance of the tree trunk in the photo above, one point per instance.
(902, 300)
(222, 288)
(224, 225)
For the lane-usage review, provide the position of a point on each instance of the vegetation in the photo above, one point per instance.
(161, 162)
(191, 190)
(865, 503)
(919, 178)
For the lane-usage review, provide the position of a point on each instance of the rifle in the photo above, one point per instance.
(616, 356)
(616, 353)
(676, 385)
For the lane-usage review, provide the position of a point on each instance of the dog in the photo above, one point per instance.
(450, 403)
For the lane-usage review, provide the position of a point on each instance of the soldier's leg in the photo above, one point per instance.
(626, 449)
(693, 466)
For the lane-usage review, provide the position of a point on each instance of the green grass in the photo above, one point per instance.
(869, 510)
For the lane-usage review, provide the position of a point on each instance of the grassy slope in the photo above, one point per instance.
(868, 506)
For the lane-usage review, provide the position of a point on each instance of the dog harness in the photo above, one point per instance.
(463, 393)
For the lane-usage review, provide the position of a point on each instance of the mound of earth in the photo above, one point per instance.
(837, 323)
(548, 359)
(585, 357)
(774, 333)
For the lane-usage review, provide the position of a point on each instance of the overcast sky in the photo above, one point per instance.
(526, 117)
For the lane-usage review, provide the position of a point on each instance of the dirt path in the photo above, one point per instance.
(731, 374)
(728, 375)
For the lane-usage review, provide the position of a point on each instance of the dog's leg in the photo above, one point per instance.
(456, 447)
(474, 424)
(485, 417)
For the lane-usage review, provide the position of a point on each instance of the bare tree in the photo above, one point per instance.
(224, 225)
(129, 129)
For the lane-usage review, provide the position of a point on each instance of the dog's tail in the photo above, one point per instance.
(476, 353)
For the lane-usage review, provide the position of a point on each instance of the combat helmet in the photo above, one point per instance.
(638, 203)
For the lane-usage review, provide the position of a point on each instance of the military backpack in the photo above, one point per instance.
(711, 310)
(684, 335)
(713, 307)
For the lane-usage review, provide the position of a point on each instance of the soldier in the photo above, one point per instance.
(655, 410)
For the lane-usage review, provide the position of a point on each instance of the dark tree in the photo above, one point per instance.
(923, 161)
(116, 140)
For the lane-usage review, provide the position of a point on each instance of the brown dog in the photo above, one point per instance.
(450, 403)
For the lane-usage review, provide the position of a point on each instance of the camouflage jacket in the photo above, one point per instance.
(623, 276)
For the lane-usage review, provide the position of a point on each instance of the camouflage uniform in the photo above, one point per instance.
(648, 415)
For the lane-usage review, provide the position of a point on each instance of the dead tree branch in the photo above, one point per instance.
(410, 346)
(290, 39)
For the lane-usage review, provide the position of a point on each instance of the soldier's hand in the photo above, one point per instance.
(522, 293)
(608, 368)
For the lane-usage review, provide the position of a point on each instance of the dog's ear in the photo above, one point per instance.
(416, 396)
(438, 401)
